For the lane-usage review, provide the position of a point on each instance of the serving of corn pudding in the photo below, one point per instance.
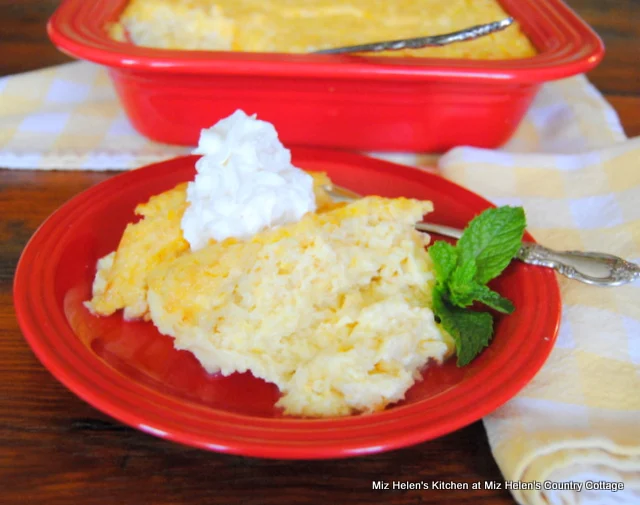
(332, 307)
(301, 26)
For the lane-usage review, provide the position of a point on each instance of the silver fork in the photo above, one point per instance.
(470, 33)
(599, 269)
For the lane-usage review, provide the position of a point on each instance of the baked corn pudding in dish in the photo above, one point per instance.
(301, 26)
(253, 267)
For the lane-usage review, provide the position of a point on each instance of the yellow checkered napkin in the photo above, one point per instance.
(578, 177)
(68, 117)
(578, 421)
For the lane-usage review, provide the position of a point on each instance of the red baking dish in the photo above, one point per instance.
(345, 101)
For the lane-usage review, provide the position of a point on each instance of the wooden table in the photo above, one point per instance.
(55, 449)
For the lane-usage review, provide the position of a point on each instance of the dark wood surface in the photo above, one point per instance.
(55, 449)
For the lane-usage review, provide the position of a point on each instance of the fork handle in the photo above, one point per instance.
(599, 269)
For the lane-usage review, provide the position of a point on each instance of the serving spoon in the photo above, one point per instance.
(599, 269)
(470, 33)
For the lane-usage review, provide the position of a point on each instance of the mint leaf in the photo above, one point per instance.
(444, 257)
(486, 247)
(464, 290)
(484, 294)
(492, 239)
(461, 284)
(471, 331)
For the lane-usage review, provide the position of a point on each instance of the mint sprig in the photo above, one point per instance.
(486, 247)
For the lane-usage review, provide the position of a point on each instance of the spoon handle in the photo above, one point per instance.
(595, 268)
(432, 41)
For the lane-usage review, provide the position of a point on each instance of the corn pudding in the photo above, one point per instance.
(333, 309)
(121, 281)
(300, 26)
(332, 306)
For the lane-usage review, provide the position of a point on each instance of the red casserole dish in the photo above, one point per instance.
(345, 101)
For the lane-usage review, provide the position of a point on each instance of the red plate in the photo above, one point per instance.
(131, 372)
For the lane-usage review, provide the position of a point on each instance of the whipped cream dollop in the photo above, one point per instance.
(245, 183)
